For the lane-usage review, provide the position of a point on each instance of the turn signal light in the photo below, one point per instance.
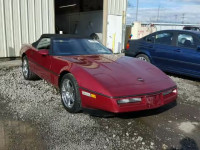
(169, 92)
(175, 91)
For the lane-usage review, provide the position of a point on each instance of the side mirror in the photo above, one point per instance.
(44, 52)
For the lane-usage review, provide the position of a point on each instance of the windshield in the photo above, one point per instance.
(78, 47)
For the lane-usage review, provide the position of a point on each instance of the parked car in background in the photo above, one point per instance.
(89, 76)
(191, 28)
(175, 51)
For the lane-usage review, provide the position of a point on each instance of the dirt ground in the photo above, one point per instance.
(32, 117)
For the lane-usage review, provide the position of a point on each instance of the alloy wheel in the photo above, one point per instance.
(68, 93)
(25, 67)
(142, 58)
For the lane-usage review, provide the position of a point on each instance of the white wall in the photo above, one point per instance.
(114, 33)
(167, 27)
(139, 31)
(116, 24)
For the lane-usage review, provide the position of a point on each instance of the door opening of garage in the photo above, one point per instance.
(81, 17)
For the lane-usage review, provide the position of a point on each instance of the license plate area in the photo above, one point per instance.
(152, 100)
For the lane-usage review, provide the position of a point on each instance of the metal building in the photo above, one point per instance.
(23, 21)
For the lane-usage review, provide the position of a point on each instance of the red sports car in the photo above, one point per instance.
(90, 76)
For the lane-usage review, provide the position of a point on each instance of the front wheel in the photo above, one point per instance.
(143, 57)
(70, 95)
(27, 73)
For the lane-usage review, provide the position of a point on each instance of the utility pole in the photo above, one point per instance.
(137, 10)
(158, 15)
(183, 18)
(176, 16)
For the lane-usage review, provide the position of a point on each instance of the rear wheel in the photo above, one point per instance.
(70, 95)
(143, 57)
(27, 73)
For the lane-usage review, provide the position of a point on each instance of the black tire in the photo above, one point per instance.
(27, 73)
(143, 57)
(70, 95)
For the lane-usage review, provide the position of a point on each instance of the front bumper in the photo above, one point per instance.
(110, 104)
(148, 102)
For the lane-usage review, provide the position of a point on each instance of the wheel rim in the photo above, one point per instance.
(142, 58)
(25, 67)
(68, 95)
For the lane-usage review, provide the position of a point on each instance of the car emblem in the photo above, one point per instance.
(140, 79)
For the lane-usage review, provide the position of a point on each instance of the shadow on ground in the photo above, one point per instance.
(187, 144)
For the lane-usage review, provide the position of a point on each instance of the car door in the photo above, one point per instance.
(163, 50)
(188, 55)
(42, 59)
(147, 44)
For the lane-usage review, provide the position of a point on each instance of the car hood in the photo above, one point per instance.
(117, 72)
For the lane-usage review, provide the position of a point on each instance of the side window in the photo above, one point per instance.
(44, 43)
(164, 38)
(186, 40)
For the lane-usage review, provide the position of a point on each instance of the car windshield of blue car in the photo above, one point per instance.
(78, 47)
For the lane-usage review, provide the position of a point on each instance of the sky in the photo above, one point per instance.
(168, 11)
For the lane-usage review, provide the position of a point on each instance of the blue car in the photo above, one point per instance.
(174, 51)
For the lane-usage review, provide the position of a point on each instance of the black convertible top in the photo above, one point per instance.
(61, 36)
(58, 36)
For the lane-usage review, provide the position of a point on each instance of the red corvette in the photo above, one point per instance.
(90, 76)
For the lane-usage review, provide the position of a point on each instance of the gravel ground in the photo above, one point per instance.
(39, 103)
(189, 90)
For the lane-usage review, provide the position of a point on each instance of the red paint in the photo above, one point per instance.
(110, 75)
